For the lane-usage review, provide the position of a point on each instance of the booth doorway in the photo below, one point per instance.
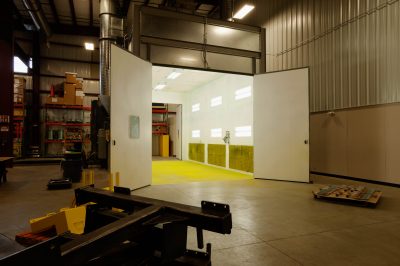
(276, 102)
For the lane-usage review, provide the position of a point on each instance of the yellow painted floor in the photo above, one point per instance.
(177, 172)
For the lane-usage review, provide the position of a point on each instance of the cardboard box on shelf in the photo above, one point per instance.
(18, 112)
(69, 93)
(54, 100)
(18, 98)
(79, 97)
(79, 83)
(70, 77)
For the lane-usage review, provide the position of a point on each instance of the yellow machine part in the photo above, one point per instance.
(68, 219)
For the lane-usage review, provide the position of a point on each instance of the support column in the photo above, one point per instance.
(35, 126)
(6, 78)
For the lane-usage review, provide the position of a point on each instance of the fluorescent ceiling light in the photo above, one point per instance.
(196, 107)
(188, 59)
(216, 132)
(196, 133)
(243, 11)
(243, 93)
(160, 86)
(89, 46)
(174, 74)
(243, 131)
(216, 101)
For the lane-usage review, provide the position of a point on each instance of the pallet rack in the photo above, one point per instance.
(61, 129)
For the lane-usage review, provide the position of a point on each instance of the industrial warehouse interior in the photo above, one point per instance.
(199, 132)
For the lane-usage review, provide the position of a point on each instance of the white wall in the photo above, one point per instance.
(167, 97)
(230, 114)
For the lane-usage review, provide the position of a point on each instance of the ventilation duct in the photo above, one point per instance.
(111, 27)
(35, 11)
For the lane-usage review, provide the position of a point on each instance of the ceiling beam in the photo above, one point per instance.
(72, 10)
(75, 30)
(54, 11)
(91, 13)
(212, 12)
(20, 53)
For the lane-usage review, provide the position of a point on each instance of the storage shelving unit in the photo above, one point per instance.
(18, 125)
(160, 124)
(61, 131)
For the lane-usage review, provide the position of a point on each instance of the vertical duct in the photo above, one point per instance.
(108, 10)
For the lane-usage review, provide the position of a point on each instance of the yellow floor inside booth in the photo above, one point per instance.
(176, 172)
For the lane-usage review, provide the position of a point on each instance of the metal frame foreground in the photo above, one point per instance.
(130, 230)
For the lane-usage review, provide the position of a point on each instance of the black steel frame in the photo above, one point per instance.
(125, 229)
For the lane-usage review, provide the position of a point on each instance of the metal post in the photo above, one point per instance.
(35, 125)
(263, 48)
(6, 78)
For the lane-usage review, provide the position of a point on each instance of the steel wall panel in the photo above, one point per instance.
(351, 47)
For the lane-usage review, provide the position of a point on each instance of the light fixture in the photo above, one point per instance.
(174, 74)
(244, 131)
(89, 46)
(160, 86)
(188, 59)
(243, 11)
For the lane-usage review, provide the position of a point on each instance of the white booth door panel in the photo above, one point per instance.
(281, 126)
(131, 86)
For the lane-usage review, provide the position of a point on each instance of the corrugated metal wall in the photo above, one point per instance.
(66, 54)
(351, 47)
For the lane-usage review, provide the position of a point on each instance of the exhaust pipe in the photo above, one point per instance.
(108, 10)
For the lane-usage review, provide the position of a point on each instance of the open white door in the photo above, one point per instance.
(281, 125)
(131, 87)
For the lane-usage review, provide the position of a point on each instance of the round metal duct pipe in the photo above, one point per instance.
(108, 9)
(35, 11)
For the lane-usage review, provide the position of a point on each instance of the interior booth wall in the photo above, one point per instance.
(227, 116)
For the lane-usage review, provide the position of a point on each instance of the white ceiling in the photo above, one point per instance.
(189, 80)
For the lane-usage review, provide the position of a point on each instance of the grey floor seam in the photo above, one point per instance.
(283, 253)
(326, 231)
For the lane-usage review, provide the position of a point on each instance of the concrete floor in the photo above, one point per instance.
(275, 223)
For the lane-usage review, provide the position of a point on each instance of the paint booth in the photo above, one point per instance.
(225, 112)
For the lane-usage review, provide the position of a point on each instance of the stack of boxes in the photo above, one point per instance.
(19, 115)
(73, 91)
(19, 87)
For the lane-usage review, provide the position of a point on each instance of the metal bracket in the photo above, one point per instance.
(214, 206)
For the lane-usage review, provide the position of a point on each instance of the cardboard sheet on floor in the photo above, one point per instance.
(358, 195)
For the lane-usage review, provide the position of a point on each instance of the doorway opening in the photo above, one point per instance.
(201, 126)
(226, 122)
